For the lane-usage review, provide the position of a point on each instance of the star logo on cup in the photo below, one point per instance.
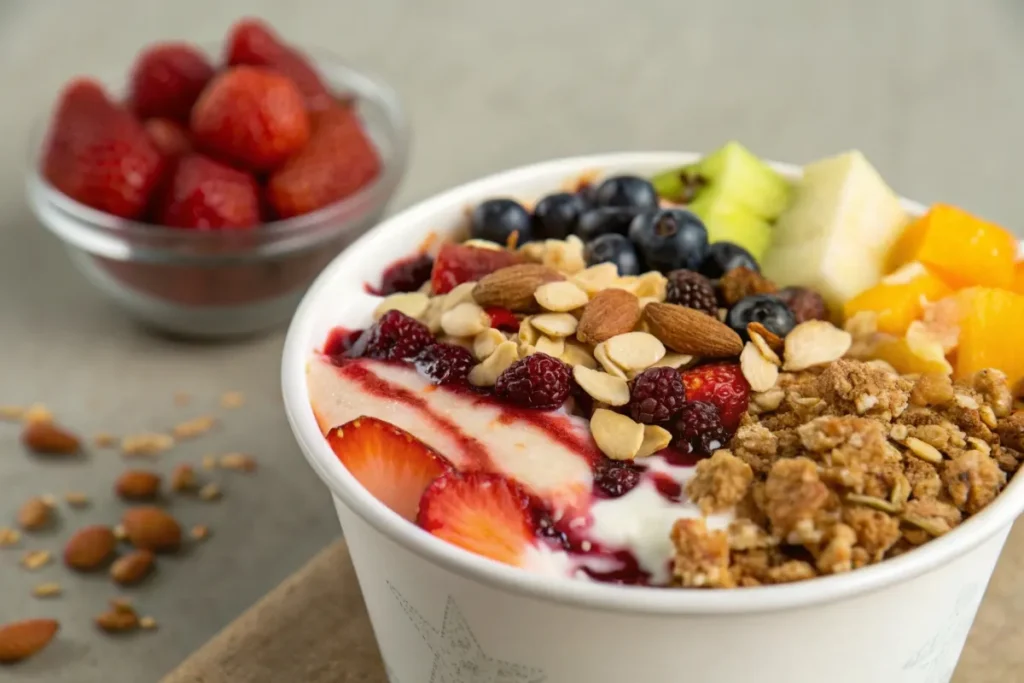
(458, 657)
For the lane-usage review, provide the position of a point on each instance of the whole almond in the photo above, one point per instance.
(688, 331)
(118, 620)
(513, 287)
(138, 485)
(34, 514)
(46, 437)
(90, 548)
(610, 313)
(150, 528)
(22, 639)
(133, 567)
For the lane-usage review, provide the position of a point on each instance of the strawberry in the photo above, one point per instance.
(457, 263)
(98, 154)
(207, 194)
(483, 513)
(166, 81)
(252, 42)
(338, 161)
(170, 138)
(251, 116)
(391, 464)
(723, 385)
(502, 319)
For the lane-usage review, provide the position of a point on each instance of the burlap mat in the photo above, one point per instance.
(291, 636)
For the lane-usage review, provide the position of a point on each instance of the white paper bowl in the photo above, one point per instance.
(443, 614)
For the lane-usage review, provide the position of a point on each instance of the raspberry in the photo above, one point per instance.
(656, 395)
(698, 429)
(616, 478)
(395, 336)
(537, 381)
(407, 275)
(806, 304)
(445, 363)
(692, 290)
(503, 319)
(723, 385)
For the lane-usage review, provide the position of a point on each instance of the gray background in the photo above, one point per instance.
(930, 90)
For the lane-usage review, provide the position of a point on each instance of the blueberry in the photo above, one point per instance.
(767, 309)
(597, 222)
(496, 219)
(722, 257)
(557, 215)
(626, 191)
(613, 248)
(669, 239)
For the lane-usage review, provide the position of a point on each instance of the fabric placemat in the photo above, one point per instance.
(289, 635)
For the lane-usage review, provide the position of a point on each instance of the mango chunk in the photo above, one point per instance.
(1018, 278)
(899, 299)
(963, 249)
(991, 330)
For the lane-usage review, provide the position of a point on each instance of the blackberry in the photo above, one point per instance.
(698, 429)
(395, 336)
(537, 381)
(445, 363)
(693, 290)
(656, 395)
(615, 478)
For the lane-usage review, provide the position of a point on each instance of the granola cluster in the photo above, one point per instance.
(846, 464)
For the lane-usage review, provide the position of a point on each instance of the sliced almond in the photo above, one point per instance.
(34, 559)
(11, 413)
(513, 287)
(560, 297)
(655, 439)
(210, 492)
(767, 338)
(199, 532)
(47, 590)
(432, 316)
(651, 284)
(635, 350)
(133, 567)
(412, 304)
(674, 360)
(76, 499)
(36, 412)
(616, 435)
(486, 373)
(555, 324)
(43, 436)
(238, 462)
(183, 478)
(764, 347)
(596, 278)
(577, 354)
(9, 537)
(610, 313)
(465, 320)
(601, 355)
(35, 514)
(815, 342)
(460, 294)
(527, 335)
(484, 244)
(232, 399)
(552, 347)
(687, 331)
(147, 623)
(564, 256)
(759, 372)
(485, 342)
(601, 386)
(146, 444)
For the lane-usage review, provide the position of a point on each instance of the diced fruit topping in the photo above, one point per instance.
(166, 81)
(767, 309)
(251, 116)
(655, 395)
(693, 290)
(338, 161)
(457, 263)
(735, 177)
(537, 381)
(990, 329)
(206, 194)
(169, 137)
(497, 219)
(805, 303)
(98, 154)
(698, 429)
(391, 464)
(899, 299)
(721, 257)
(626, 191)
(604, 221)
(395, 336)
(724, 386)
(616, 478)
(406, 275)
(445, 363)
(613, 248)
(963, 249)
(502, 319)
(253, 42)
(485, 514)
(556, 216)
(669, 239)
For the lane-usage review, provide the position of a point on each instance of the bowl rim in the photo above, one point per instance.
(367, 87)
(298, 351)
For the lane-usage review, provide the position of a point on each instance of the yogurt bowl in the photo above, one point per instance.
(441, 613)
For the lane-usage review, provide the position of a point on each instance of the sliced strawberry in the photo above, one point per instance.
(723, 385)
(503, 319)
(390, 463)
(457, 263)
(483, 513)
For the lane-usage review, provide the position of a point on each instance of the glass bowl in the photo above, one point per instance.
(221, 284)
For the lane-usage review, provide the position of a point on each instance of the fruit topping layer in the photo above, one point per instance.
(194, 145)
(597, 384)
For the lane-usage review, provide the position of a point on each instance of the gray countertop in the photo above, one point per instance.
(930, 90)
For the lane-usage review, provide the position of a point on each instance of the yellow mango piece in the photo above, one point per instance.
(899, 299)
